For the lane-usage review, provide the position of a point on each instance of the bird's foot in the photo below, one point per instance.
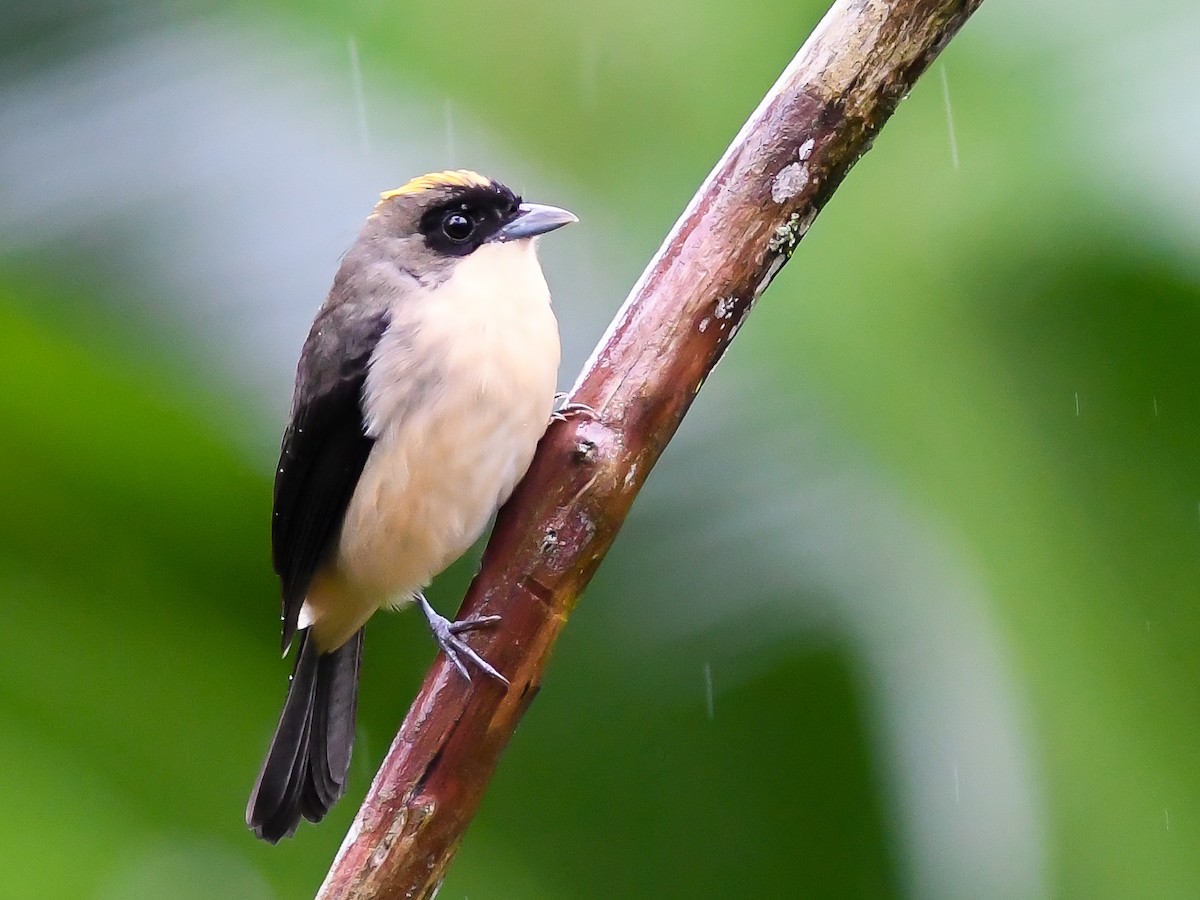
(564, 410)
(446, 633)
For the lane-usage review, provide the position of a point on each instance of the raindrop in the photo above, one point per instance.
(360, 102)
(589, 70)
(949, 118)
(708, 690)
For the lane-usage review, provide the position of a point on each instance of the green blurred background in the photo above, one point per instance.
(908, 609)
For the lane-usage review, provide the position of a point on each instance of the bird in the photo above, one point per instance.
(421, 392)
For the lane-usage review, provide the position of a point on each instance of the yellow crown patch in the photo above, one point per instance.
(452, 178)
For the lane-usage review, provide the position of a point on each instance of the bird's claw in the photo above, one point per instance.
(564, 410)
(446, 633)
(472, 623)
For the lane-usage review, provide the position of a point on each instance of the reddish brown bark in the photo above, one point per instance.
(738, 231)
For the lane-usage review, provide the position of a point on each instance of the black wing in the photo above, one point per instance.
(324, 450)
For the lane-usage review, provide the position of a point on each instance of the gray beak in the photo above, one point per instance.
(534, 219)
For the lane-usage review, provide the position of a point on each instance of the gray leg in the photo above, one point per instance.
(446, 633)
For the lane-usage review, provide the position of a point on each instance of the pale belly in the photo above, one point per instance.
(421, 503)
(428, 491)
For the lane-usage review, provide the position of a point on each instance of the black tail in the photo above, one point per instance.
(305, 769)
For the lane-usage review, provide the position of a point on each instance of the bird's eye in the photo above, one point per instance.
(458, 227)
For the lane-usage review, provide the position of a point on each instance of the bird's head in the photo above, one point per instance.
(438, 218)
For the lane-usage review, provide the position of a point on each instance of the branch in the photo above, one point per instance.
(731, 241)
